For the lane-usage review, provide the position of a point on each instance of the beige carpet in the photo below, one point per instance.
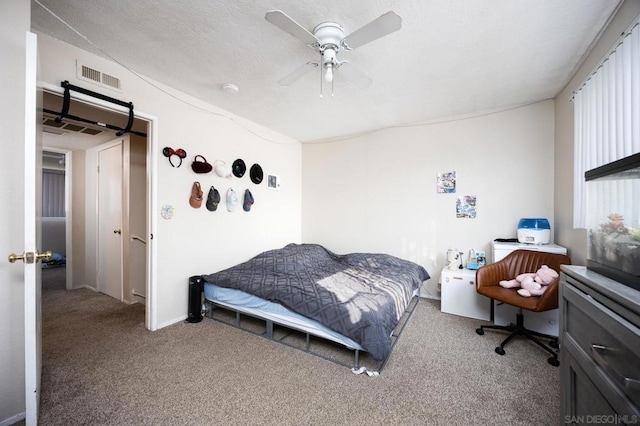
(102, 367)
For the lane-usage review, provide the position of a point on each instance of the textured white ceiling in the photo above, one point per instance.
(450, 58)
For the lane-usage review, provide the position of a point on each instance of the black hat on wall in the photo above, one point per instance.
(256, 174)
(238, 168)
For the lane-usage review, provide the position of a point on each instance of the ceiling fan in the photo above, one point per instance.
(328, 39)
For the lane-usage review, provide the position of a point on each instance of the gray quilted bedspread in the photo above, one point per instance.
(359, 295)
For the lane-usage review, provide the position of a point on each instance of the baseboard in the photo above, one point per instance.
(13, 419)
(137, 298)
(430, 296)
(89, 288)
(171, 322)
(134, 302)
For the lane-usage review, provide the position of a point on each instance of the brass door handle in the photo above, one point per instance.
(117, 231)
(13, 257)
(30, 257)
(47, 255)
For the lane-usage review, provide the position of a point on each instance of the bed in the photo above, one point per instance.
(356, 300)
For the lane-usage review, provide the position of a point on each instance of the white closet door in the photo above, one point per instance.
(110, 220)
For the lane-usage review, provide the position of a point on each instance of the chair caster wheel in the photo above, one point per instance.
(553, 361)
(499, 350)
(554, 344)
(480, 331)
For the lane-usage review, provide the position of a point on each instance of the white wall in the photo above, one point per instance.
(576, 239)
(199, 241)
(14, 23)
(377, 192)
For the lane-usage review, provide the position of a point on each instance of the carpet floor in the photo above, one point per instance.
(102, 367)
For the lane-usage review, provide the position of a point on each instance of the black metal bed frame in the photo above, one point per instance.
(211, 306)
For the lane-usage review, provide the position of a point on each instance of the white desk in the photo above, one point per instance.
(459, 296)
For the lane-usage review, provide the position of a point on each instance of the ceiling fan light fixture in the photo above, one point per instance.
(329, 62)
(328, 75)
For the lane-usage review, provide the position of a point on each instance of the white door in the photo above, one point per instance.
(32, 228)
(110, 223)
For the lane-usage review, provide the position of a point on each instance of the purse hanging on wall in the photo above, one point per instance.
(201, 166)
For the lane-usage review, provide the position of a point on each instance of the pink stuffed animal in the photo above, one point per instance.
(532, 284)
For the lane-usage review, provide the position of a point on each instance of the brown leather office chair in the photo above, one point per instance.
(515, 263)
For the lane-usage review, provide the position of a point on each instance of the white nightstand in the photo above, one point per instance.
(459, 296)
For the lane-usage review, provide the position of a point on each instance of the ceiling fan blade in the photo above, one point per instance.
(383, 25)
(351, 74)
(286, 24)
(297, 73)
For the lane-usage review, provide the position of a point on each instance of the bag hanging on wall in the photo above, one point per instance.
(201, 166)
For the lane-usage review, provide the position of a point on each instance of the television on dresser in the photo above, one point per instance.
(613, 220)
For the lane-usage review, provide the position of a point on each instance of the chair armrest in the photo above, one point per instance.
(549, 299)
(490, 275)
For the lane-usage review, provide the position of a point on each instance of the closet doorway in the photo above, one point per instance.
(82, 142)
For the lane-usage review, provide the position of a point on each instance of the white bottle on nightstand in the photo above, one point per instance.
(543, 322)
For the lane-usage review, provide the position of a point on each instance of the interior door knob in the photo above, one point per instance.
(30, 257)
(47, 255)
(117, 231)
(14, 257)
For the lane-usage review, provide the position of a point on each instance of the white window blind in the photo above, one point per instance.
(607, 115)
(53, 193)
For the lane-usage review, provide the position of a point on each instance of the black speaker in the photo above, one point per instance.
(196, 288)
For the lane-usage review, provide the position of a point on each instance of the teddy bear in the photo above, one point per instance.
(532, 283)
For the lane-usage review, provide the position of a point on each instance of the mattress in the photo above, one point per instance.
(361, 296)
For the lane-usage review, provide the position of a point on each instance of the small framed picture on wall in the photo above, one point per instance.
(273, 182)
(446, 183)
(466, 207)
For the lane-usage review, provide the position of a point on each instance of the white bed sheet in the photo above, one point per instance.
(252, 305)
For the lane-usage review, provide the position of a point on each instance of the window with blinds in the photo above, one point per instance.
(53, 193)
(607, 114)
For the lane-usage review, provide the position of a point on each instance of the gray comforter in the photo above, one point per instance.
(359, 295)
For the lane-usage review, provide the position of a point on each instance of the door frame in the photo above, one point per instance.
(151, 306)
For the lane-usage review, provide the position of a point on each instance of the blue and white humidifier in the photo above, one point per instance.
(534, 231)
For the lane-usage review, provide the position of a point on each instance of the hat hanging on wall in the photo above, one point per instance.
(232, 200)
(213, 199)
(170, 152)
(248, 200)
(238, 168)
(222, 169)
(256, 174)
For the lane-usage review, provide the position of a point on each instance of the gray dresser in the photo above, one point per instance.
(599, 349)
